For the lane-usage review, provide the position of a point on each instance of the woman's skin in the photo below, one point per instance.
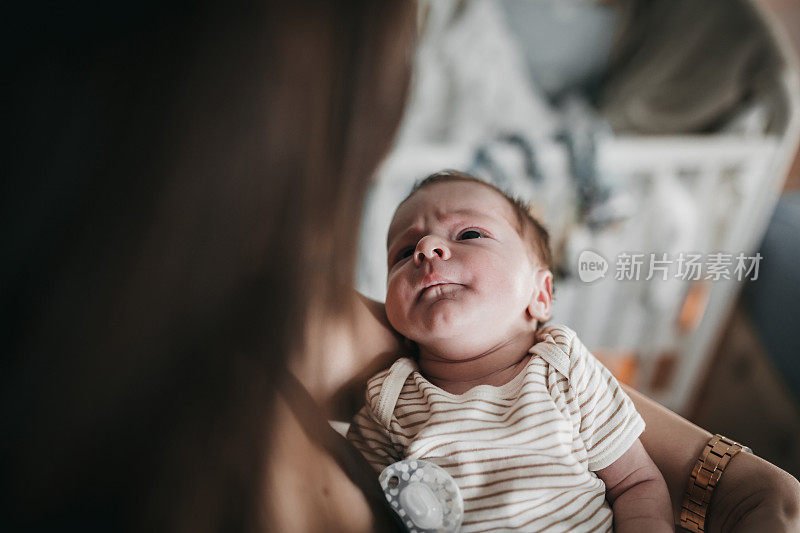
(753, 495)
(309, 492)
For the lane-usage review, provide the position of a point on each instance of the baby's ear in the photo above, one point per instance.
(539, 307)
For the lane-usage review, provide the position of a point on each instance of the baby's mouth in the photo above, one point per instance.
(438, 290)
(435, 285)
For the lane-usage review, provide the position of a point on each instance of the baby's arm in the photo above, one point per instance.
(609, 426)
(637, 493)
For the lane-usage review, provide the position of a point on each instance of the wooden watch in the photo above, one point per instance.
(705, 475)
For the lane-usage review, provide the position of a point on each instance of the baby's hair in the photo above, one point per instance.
(529, 227)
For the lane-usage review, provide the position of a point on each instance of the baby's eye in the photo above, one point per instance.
(471, 234)
(402, 254)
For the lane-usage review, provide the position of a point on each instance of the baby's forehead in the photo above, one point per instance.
(451, 199)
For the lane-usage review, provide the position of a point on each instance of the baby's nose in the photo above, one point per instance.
(431, 247)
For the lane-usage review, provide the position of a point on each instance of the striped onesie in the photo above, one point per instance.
(523, 454)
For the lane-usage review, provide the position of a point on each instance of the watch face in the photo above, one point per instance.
(732, 443)
(742, 446)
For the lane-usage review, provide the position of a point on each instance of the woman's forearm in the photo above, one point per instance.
(752, 495)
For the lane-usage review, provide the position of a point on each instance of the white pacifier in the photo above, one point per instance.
(424, 495)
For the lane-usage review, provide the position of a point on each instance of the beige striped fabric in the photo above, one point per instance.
(523, 454)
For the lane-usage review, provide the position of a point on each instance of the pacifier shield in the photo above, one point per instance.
(424, 495)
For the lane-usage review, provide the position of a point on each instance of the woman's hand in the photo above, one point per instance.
(752, 495)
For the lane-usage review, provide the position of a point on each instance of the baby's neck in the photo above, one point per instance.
(495, 367)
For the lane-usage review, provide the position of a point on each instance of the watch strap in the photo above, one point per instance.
(704, 478)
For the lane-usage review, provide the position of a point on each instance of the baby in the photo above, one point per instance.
(534, 430)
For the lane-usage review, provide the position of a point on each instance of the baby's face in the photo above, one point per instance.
(461, 278)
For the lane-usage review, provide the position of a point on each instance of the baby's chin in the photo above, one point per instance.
(452, 350)
(444, 322)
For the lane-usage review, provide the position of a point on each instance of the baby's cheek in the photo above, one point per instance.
(520, 283)
(503, 282)
(395, 304)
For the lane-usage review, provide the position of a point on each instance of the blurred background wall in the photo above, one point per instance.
(752, 391)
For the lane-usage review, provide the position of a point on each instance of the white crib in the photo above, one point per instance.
(734, 184)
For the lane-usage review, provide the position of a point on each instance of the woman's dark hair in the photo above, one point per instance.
(185, 182)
